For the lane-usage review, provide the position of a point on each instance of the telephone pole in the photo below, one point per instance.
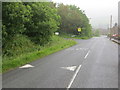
(111, 21)
(110, 29)
(111, 24)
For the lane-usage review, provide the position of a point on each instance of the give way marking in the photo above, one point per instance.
(72, 68)
(26, 66)
(73, 78)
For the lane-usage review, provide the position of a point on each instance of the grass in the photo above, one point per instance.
(75, 37)
(81, 37)
(55, 45)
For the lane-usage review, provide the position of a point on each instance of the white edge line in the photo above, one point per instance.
(87, 54)
(74, 76)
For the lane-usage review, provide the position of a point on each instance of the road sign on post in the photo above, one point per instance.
(79, 29)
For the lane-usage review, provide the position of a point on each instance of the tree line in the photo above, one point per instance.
(36, 22)
(73, 18)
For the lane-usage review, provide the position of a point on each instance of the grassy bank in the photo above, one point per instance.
(56, 44)
(74, 36)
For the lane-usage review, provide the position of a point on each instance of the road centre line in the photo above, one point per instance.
(87, 54)
(74, 76)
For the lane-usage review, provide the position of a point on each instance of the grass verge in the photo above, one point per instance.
(55, 45)
(75, 36)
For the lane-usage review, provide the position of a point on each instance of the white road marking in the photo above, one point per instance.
(83, 49)
(72, 68)
(87, 54)
(77, 48)
(73, 49)
(74, 76)
(69, 49)
(26, 66)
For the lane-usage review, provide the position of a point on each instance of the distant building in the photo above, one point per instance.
(114, 29)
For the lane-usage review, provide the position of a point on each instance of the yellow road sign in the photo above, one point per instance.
(79, 29)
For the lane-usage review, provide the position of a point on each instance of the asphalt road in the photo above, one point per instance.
(91, 63)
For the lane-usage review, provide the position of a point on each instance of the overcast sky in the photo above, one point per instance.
(98, 10)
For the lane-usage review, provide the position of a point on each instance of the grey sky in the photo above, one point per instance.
(98, 10)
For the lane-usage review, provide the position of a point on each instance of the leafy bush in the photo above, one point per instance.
(96, 33)
(17, 45)
(27, 20)
(43, 23)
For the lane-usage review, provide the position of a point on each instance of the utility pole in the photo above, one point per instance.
(111, 24)
(119, 17)
(110, 27)
(111, 21)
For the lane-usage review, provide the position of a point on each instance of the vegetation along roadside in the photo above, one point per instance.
(28, 30)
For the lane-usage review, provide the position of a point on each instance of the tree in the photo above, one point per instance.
(14, 16)
(43, 23)
(96, 33)
(36, 21)
(72, 18)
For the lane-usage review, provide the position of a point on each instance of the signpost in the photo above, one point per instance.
(79, 29)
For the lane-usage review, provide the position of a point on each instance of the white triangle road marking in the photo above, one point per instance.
(72, 68)
(26, 66)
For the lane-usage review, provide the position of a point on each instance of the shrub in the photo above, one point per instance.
(17, 45)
